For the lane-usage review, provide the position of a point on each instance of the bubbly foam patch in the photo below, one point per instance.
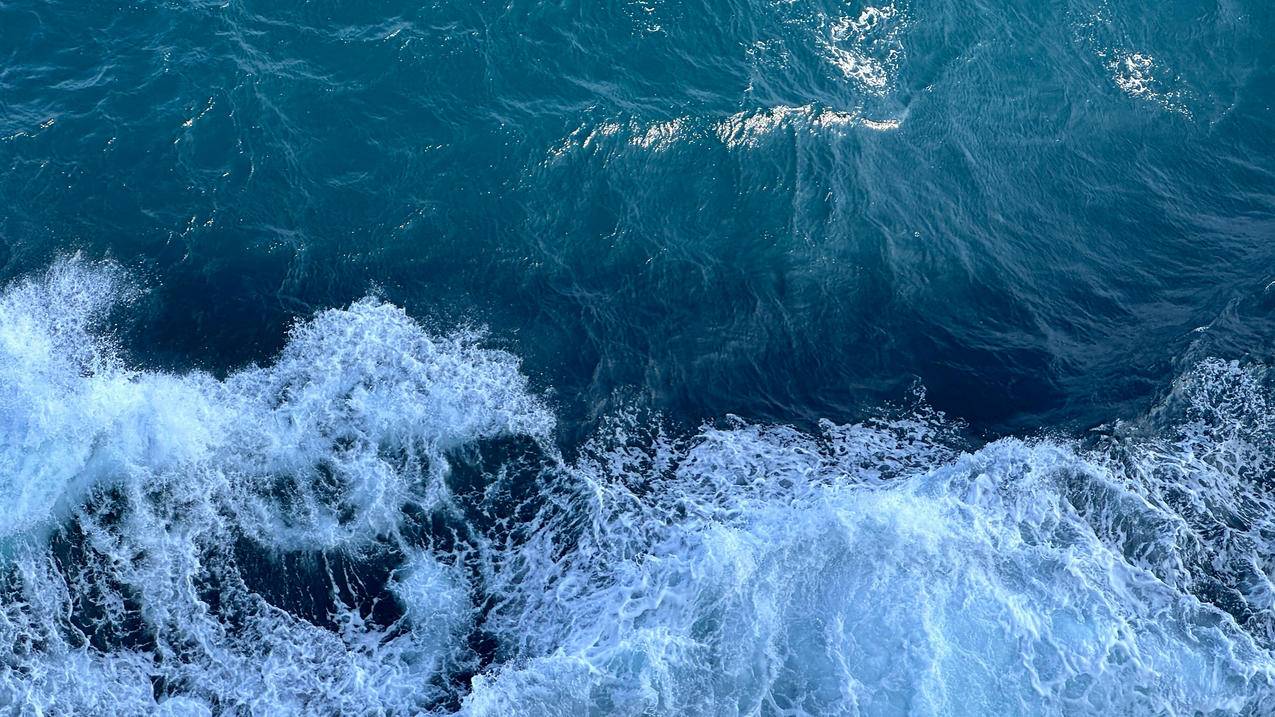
(866, 571)
(1135, 72)
(318, 449)
(1138, 75)
(867, 48)
(376, 522)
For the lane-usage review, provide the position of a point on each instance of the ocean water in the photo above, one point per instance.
(747, 357)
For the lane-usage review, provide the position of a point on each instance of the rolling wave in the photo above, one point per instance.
(379, 522)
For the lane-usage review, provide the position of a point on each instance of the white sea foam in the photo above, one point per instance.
(1137, 75)
(873, 568)
(771, 572)
(70, 412)
(866, 49)
(158, 475)
(1135, 72)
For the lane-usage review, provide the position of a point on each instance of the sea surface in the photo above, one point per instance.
(641, 357)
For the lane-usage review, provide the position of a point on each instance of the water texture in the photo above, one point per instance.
(731, 358)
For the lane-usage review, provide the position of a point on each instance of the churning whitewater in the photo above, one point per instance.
(379, 522)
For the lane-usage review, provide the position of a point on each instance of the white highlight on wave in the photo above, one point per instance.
(747, 569)
(749, 129)
(743, 130)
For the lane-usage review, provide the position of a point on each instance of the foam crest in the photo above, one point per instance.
(70, 412)
(151, 480)
(354, 418)
(767, 570)
(319, 448)
(376, 522)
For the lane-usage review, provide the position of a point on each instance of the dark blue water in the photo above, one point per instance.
(637, 357)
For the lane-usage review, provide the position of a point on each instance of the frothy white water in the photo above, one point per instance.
(70, 412)
(1137, 72)
(775, 572)
(867, 48)
(317, 450)
(169, 527)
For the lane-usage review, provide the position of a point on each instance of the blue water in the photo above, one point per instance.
(761, 357)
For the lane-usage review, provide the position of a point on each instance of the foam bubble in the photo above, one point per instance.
(354, 418)
(151, 480)
(1134, 70)
(1137, 75)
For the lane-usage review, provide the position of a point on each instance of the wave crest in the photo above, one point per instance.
(377, 522)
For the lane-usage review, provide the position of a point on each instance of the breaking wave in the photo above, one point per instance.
(378, 522)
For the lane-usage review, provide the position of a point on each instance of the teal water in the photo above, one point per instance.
(761, 357)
